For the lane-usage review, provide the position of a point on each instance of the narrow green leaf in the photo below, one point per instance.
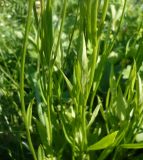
(84, 64)
(119, 137)
(104, 13)
(22, 74)
(104, 142)
(40, 114)
(104, 154)
(113, 84)
(48, 129)
(94, 114)
(42, 92)
(29, 113)
(70, 86)
(139, 56)
(77, 75)
(67, 136)
(42, 132)
(121, 134)
(139, 90)
(61, 26)
(131, 82)
(89, 6)
(41, 155)
(121, 106)
(132, 146)
(84, 59)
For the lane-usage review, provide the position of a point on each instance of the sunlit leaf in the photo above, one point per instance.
(41, 155)
(94, 114)
(29, 114)
(132, 146)
(70, 86)
(105, 142)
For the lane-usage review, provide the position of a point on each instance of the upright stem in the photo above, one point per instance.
(49, 107)
(95, 43)
(22, 78)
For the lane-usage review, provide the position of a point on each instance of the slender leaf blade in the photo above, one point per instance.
(132, 146)
(104, 142)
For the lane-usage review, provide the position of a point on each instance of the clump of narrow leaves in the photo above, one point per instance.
(85, 82)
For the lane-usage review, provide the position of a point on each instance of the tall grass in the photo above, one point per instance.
(26, 115)
(73, 119)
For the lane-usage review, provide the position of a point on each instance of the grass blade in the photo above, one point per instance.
(132, 146)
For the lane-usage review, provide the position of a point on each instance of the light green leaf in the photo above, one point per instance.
(104, 142)
(29, 113)
(70, 86)
(131, 82)
(94, 114)
(139, 90)
(121, 106)
(47, 122)
(84, 59)
(82, 64)
(126, 72)
(139, 137)
(132, 146)
(77, 75)
(41, 155)
(113, 83)
(133, 75)
(40, 114)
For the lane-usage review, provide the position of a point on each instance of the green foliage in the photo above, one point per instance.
(71, 79)
(105, 142)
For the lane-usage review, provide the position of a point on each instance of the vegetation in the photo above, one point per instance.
(71, 79)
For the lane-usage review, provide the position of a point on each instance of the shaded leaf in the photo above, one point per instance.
(42, 132)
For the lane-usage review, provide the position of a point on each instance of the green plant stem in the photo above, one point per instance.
(88, 3)
(22, 78)
(104, 11)
(49, 107)
(106, 51)
(95, 47)
(61, 28)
